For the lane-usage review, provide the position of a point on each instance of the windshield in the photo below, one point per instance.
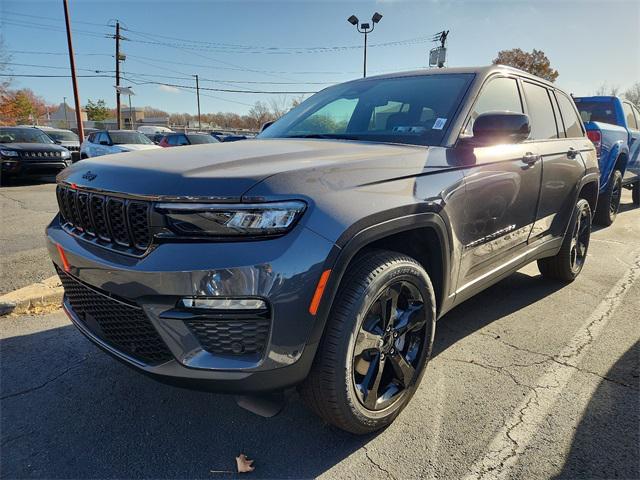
(62, 135)
(415, 110)
(119, 138)
(199, 139)
(23, 135)
(594, 111)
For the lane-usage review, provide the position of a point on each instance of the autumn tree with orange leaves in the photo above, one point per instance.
(535, 62)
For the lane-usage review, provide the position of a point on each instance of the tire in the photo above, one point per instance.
(356, 324)
(568, 263)
(609, 202)
(635, 193)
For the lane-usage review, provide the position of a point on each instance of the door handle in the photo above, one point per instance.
(530, 158)
(572, 153)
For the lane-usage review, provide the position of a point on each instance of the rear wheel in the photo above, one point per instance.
(609, 201)
(568, 263)
(376, 344)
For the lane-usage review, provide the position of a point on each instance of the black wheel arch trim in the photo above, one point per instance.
(348, 245)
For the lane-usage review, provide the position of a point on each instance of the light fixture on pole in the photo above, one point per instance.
(127, 91)
(365, 28)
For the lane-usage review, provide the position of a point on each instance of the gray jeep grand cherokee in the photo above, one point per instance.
(321, 254)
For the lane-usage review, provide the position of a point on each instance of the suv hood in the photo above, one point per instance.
(224, 171)
(134, 147)
(33, 147)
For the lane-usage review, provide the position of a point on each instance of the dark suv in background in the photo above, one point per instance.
(321, 254)
(28, 151)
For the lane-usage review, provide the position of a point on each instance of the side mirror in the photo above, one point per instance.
(57, 142)
(266, 125)
(105, 142)
(501, 127)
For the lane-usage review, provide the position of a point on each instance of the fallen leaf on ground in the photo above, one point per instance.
(244, 464)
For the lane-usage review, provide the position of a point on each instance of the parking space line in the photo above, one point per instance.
(512, 439)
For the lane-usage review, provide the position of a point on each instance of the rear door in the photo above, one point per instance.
(502, 190)
(559, 143)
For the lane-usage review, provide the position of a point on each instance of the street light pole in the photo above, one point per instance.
(198, 97)
(72, 64)
(366, 29)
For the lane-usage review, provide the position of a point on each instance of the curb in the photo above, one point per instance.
(40, 295)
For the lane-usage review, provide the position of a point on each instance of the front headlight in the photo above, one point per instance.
(223, 220)
(65, 154)
(8, 153)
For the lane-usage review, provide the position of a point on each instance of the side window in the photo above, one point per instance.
(182, 140)
(101, 137)
(500, 94)
(572, 123)
(172, 140)
(92, 138)
(628, 116)
(541, 117)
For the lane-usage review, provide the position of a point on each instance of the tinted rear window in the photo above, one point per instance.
(199, 139)
(541, 116)
(591, 111)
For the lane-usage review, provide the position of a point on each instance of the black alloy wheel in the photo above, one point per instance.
(388, 346)
(580, 240)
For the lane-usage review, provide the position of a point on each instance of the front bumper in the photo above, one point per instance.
(284, 271)
(18, 167)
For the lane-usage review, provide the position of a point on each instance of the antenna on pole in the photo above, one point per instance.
(438, 55)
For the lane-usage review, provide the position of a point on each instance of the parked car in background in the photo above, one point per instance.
(613, 125)
(106, 142)
(156, 138)
(180, 139)
(28, 151)
(66, 138)
(322, 253)
(150, 130)
(228, 137)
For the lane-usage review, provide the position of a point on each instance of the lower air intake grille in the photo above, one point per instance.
(231, 337)
(123, 326)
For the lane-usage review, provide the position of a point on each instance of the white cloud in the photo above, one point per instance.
(168, 89)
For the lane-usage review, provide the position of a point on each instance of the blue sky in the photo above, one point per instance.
(228, 43)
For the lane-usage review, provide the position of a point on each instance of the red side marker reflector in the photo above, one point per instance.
(74, 186)
(63, 257)
(317, 296)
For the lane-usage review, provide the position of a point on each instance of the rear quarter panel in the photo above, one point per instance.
(614, 144)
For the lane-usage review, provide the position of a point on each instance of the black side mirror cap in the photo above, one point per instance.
(493, 128)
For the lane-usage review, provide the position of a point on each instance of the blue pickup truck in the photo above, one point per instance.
(613, 125)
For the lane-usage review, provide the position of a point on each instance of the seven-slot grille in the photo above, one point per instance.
(40, 155)
(114, 222)
(123, 326)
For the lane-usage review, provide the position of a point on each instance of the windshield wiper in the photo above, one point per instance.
(334, 136)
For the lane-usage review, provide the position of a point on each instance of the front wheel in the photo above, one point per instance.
(376, 344)
(609, 201)
(568, 263)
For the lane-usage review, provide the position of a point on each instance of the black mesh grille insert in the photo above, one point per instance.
(231, 337)
(120, 224)
(125, 327)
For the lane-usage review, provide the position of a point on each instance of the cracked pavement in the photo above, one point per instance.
(529, 379)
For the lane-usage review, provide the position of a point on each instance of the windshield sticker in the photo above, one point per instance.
(439, 124)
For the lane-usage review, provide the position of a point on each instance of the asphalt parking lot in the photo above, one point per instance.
(530, 379)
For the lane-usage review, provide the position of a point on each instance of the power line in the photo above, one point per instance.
(5, 12)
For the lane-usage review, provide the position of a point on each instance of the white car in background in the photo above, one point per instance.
(106, 142)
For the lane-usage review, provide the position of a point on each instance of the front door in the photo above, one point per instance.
(502, 188)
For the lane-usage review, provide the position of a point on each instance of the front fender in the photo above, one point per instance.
(339, 258)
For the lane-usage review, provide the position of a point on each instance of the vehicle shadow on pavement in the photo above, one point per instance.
(611, 424)
(504, 298)
(27, 181)
(68, 410)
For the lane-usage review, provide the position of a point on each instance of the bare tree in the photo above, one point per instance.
(633, 94)
(605, 90)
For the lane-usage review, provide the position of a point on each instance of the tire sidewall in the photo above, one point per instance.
(582, 204)
(405, 271)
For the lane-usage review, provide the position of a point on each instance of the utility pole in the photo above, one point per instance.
(72, 63)
(118, 114)
(198, 97)
(65, 111)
